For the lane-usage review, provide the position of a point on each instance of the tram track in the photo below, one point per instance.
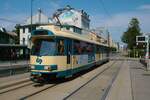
(51, 86)
(16, 86)
(34, 93)
(27, 90)
(65, 98)
(111, 82)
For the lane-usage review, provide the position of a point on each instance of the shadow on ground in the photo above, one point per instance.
(63, 80)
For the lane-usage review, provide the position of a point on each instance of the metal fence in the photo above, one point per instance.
(13, 71)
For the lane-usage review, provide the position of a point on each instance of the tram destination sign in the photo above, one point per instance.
(40, 32)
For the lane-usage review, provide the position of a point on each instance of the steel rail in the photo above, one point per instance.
(65, 98)
(111, 82)
(30, 95)
(5, 91)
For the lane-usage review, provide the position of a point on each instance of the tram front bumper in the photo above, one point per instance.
(36, 77)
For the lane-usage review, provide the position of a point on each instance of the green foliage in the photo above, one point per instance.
(129, 37)
(136, 53)
(18, 34)
(112, 49)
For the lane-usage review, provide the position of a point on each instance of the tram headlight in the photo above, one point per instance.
(46, 67)
(32, 67)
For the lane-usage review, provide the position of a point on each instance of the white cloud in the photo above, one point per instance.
(13, 19)
(122, 20)
(144, 7)
(97, 20)
(20, 18)
(119, 22)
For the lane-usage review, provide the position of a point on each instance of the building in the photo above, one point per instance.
(25, 33)
(8, 49)
(25, 29)
(69, 19)
(7, 37)
(65, 16)
(71, 16)
(38, 18)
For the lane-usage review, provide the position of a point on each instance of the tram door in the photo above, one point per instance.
(69, 57)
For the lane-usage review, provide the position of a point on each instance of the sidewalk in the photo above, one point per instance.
(132, 83)
(140, 81)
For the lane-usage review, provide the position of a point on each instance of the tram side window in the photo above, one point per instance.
(90, 48)
(60, 47)
(77, 48)
(97, 49)
(81, 47)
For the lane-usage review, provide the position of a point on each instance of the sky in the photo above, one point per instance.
(112, 14)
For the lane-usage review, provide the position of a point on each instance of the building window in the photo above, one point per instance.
(29, 29)
(23, 30)
(23, 41)
(77, 30)
(67, 28)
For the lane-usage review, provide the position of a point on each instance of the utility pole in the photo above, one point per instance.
(39, 15)
(31, 13)
(108, 39)
(147, 51)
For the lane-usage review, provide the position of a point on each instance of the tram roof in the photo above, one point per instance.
(77, 36)
(68, 34)
(73, 36)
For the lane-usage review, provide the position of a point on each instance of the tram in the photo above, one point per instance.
(62, 51)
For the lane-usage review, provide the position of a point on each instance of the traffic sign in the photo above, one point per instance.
(141, 39)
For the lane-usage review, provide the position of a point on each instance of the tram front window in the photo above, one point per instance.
(44, 47)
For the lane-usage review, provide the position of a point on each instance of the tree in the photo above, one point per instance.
(16, 30)
(129, 37)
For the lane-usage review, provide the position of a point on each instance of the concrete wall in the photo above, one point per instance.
(24, 35)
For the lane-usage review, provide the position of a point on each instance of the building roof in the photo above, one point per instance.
(12, 33)
(3, 30)
(72, 35)
(33, 25)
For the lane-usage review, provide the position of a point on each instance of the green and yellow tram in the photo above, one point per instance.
(61, 51)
